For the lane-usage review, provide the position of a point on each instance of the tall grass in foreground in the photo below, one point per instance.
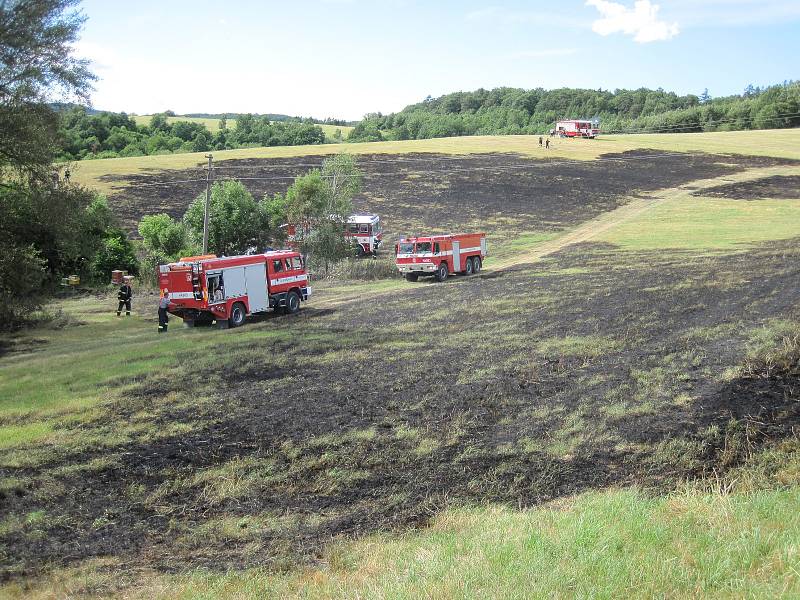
(611, 544)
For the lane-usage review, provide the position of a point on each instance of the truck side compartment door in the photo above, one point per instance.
(456, 256)
(235, 283)
(256, 283)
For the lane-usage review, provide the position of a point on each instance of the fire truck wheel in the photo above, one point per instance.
(238, 315)
(441, 272)
(468, 267)
(292, 303)
(476, 264)
(411, 276)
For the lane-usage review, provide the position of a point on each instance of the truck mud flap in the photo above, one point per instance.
(277, 300)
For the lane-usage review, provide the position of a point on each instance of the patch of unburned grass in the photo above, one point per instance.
(612, 544)
(78, 368)
(706, 224)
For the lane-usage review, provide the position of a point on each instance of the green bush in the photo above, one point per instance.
(22, 277)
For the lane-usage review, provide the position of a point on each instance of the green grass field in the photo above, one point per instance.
(729, 534)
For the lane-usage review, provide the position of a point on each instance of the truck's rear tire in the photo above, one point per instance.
(411, 277)
(476, 264)
(468, 268)
(442, 272)
(238, 315)
(292, 303)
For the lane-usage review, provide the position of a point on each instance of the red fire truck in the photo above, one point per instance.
(228, 288)
(577, 128)
(440, 255)
(366, 231)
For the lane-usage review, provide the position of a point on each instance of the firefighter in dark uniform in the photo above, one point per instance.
(163, 317)
(124, 296)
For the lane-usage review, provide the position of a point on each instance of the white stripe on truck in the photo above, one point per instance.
(291, 279)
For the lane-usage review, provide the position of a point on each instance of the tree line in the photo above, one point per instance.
(84, 135)
(512, 111)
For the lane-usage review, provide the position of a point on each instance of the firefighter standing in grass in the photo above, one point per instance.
(124, 296)
(540, 141)
(163, 318)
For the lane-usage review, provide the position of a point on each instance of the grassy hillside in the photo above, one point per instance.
(213, 124)
(779, 143)
(527, 432)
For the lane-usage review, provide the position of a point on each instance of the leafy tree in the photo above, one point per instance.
(326, 244)
(116, 252)
(319, 203)
(200, 143)
(158, 123)
(161, 234)
(236, 221)
(37, 65)
(344, 179)
(22, 276)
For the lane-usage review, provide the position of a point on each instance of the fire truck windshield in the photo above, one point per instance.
(423, 247)
(405, 248)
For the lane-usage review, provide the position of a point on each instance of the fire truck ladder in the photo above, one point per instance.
(198, 294)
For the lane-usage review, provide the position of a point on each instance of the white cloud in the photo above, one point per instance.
(641, 22)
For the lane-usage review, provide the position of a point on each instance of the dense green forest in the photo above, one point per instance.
(518, 111)
(84, 134)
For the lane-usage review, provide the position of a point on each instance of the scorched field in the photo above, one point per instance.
(610, 408)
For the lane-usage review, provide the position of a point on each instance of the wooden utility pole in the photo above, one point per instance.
(208, 201)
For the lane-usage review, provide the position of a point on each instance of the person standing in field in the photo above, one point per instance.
(547, 144)
(124, 295)
(540, 141)
(163, 317)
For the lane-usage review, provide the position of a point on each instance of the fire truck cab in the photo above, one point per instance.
(577, 128)
(441, 255)
(366, 231)
(203, 289)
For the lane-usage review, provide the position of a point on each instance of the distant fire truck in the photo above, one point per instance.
(228, 288)
(366, 231)
(577, 128)
(440, 255)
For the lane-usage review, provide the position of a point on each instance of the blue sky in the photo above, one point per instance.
(344, 58)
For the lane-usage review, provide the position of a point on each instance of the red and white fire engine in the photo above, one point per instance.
(577, 128)
(366, 231)
(228, 288)
(440, 255)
